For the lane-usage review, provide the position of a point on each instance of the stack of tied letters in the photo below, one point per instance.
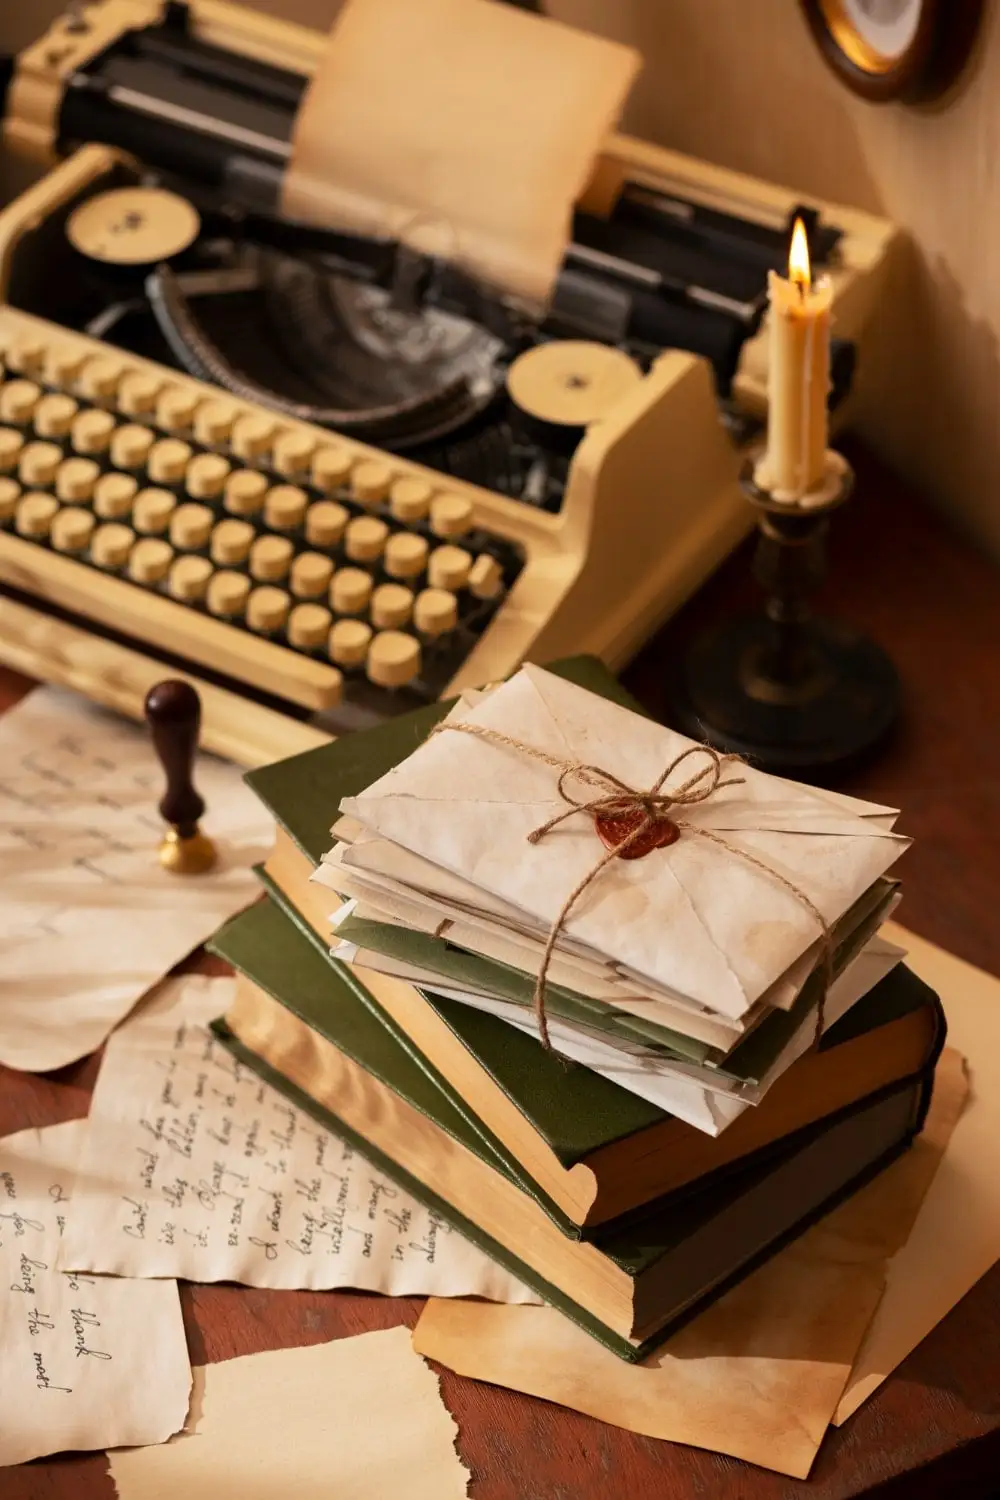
(615, 1006)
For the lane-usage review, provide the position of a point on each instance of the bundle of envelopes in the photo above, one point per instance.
(615, 1007)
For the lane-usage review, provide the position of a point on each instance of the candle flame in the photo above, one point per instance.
(798, 257)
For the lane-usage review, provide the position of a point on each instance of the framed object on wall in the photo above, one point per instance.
(910, 50)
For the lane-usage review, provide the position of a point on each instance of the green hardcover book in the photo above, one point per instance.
(592, 1149)
(308, 1029)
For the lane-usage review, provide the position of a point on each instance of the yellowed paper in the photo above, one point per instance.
(359, 1419)
(462, 127)
(84, 1362)
(758, 1375)
(88, 919)
(193, 1167)
(956, 1236)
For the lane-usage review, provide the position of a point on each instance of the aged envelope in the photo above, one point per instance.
(193, 1166)
(88, 919)
(956, 1237)
(470, 805)
(759, 1374)
(358, 1419)
(85, 1361)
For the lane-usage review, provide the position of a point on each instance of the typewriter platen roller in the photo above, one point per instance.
(328, 476)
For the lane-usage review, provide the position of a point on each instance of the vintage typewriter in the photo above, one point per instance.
(329, 478)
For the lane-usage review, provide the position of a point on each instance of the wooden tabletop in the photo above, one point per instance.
(933, 1429)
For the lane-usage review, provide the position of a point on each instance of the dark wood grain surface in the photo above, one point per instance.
(933, 1430)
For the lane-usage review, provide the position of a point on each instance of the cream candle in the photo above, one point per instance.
(798, 378)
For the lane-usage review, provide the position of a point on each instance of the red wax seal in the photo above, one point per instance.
(614, 828)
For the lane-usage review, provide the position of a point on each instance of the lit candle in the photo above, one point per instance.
(798, 378)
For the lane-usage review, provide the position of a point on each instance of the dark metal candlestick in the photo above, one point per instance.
(795, 694)
(173, 713)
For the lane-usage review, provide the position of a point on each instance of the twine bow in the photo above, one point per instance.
(647, 826)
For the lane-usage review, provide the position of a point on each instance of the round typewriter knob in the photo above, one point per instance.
(350, 591)
(285, 507)
(206, 475)
(91, 431)
(137, 393)
(348, 642)
(310, 575)
(150, 560)
(244, 492)
(54, 415)
(267, 610)
(292, 451)
(231, 542)
(391, 606)
(308, 626)
(405, 555)
(410, 499)
(151, 511)
(451, 515)
(270, 558)
(63, 364)
(113, 495)
(213, 422)
(167, 460)
(76, 479)
(130, 446)
(252, 435)
(11, 443)
(10, 493)
(26, 354)
(188, 578)
(325, 523)
(370, 481)
(38, 463)
(175, 408)
(393, 659)
(228, 594)
(331, 466)
(111, 545)
(98, 379)
(35, 513)
(435, 612)
(448, 568)
(486, 577)
(191, 527)
(18, 399)
(365, 538)
(72, 529)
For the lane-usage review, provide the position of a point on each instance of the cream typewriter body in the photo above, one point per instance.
(414, 506)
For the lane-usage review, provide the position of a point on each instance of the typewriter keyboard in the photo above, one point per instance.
(257, 548)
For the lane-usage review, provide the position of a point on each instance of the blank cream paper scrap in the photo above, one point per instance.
(757, 1375)
(193, 1167)
(88, 919)
(85, 1362)
(956, 1237)
(359, 1419)
(461, 127)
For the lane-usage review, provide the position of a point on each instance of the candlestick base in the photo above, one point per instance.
(791, 693)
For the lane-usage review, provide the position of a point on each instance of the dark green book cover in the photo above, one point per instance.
(676, 1256)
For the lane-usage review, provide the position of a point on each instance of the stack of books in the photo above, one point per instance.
(732, 1048)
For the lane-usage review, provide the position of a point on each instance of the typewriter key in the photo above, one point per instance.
(167, 460)
(325, 523)
(244, 492)
(267, 610)
(113, 494)
(175, 408)
(270, 558)
(227, 594)
(189, 578)
(252, 435)
(285, 507)
(72, 529)
(11, 443)
(391, 606)
(410, 499)
(348, 642)
(350, 591)
(76, 479)
(213, 421)
(38, 463)
(435, 612)
(137, 393)
(91, 430)
(448, 568)
(10, 493)
(365, 538)
(98, 379)
(54, 415)
(191, 527)
(18, 399)
(110, 545)
(63, 364)
(331, 466)
(485, 577)
(26, 354)
(150, 560)
(35, 513)
(310, 575)
(451, 515)
(231, 542)
(393, 659)
(308, 626)
(206, 475)
(130, 446)
(405, 555)
(370, 481)
(292, 451)
(151, 511)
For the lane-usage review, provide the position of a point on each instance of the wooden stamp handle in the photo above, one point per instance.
(173, 713)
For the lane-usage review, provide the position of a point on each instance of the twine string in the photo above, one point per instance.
(614, 799)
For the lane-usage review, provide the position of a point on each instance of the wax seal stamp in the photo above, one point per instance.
(173, 713)
(613, 828)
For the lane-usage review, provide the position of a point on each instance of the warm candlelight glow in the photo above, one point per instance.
(798, 257)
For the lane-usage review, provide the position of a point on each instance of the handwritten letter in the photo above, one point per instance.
(194, 1167)
(88, 919)
(84, 1362)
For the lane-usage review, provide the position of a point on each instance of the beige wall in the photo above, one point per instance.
(739, 82)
